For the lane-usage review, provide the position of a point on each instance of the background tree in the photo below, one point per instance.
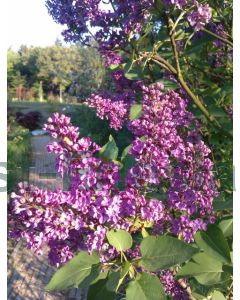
(72, 72)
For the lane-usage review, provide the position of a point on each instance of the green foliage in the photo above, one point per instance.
(217, 296)
(76, 71)
(18, 152)
(145, 287)
(206, 270)
(99, 291)
(202, 266)
(120, 239)
(133, 71)
(162, 252)
(135, 111)
(168, 84)
(127, 161)
(78, 272)
(226, 225)
(113, 281)
(109, 151)
(213, 243)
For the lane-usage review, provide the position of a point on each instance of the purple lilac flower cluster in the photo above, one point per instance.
(172, 286)
(68, 221)
(111, 107)
(179, 3)
(200, 16)
(167, 153)
(170, 154)
(114, 24)
(115, 106)
(223, 53)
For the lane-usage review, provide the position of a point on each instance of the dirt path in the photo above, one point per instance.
(27, 272)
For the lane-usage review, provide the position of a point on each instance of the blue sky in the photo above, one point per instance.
(28, 23)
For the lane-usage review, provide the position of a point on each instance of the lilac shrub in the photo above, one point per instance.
(116, 23)
(141, 211)
(167, 154)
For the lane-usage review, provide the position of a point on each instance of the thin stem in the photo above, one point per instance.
(174, 46)
(161, 65)
(180, 78)
(166, 64)
(187, 289)
(178, 20)
(218, 37)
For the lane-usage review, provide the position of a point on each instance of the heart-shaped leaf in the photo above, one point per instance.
(120, 239)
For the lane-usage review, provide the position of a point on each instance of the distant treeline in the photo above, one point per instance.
(55, 73)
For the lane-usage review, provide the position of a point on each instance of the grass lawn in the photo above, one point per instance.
(82, 116)
(19, 155)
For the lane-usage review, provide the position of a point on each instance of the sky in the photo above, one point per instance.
(29, 23)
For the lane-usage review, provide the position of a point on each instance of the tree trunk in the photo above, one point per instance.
(60, 94)
(40, 92)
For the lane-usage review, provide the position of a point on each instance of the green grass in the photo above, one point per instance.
(19, 155)
(82, 116)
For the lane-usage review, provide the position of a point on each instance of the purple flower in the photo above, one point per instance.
(199, 17)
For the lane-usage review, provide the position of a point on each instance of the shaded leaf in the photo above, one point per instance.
(98, 291)
(222, 205)
(109, 151)
(214, 243)
(133, 71)
(113, 281)
(145, 287)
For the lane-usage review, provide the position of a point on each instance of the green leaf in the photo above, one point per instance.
(81, 270)
(121, 239)
(98, 291)
(135, 111)
(204, 269)
(168, 84)
(226, 225)
(213, 243)
(128, 162)
(200, 264)
(102, 275)
(199, 291)
(218, 296)
(113, 281)
(163, 252)
(211, 279)
(133, 71)
(222, 205)
(125, 152)
(114, 67)
(109, 151)
(116, 278)
(145, 287)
